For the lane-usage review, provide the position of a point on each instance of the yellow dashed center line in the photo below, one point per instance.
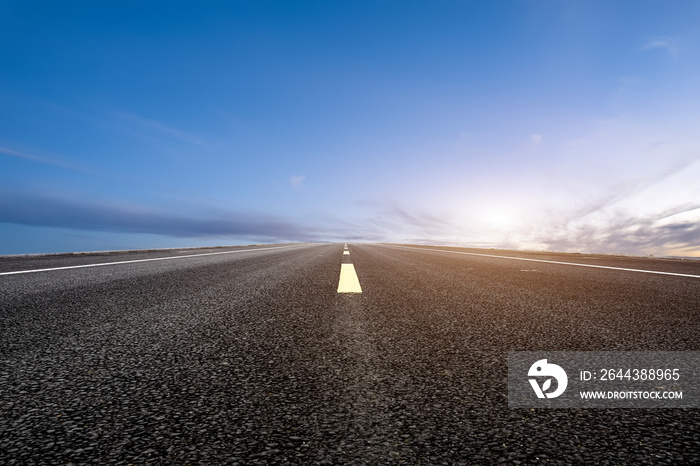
(348, 283)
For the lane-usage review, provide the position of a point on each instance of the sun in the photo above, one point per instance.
(499, 217)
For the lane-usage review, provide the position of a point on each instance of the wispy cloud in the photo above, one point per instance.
(44, 160)
(37, 210)
(633, 234)
(617, 220)
(297, 180)
(151, 125)
(629, 80)
(670, 44)
(653, 183)
(533, 141)
(654, 213)
(388, 220)
(111, 118)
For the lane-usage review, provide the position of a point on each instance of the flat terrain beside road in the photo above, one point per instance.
(249, 355)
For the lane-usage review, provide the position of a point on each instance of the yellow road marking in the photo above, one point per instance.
(349, 283)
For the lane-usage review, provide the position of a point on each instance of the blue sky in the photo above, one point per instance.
(556, 125)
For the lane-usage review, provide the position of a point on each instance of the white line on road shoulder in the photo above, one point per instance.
(139, 260)
(553, 262)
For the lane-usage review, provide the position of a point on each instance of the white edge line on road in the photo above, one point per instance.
(139, 260)
(553, 262)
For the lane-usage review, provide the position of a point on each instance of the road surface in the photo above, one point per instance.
(250, 355)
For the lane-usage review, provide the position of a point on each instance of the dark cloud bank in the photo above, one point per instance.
(385, 222)
(42, 211)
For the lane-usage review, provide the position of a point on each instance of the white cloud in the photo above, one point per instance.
(536, 139)
(297, 180)
(668, 43)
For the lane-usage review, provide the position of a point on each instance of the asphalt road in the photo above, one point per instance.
(252, 357)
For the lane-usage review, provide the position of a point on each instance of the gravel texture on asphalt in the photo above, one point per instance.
(254, 358)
